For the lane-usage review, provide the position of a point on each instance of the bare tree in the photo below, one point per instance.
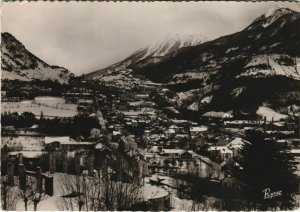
(25, 191)
(71, 186)
(31, 193)
(97, 192)
(9, 195)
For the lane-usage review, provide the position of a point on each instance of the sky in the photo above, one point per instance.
(87, 36)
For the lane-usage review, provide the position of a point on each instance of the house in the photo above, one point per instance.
(186, 155)
(236, 145)
(176, 153)
(170, 133)
(218, 115)
(221, 151)
(141, 96)
(196, 130)
(65, 143)
(242, 123)
(95, 133)
(171, 153)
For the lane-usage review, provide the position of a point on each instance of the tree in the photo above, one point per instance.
(9, 194)
(97, 193)
(263, 164)
(121, 147)
(30, 192)
(41, 115)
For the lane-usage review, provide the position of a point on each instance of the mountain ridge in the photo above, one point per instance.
(151, 53)
(236, 71)
(17, 62)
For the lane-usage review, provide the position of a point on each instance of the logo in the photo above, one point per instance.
(270, 195)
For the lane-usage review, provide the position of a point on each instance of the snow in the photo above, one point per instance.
(183, 96)
(273, 65)
(199, 129)
(237, 91)
(206, 99)
(186, 77)
(217, 114)
(153, 192)
(173, 151)
(270, 114)
(194, 106)
(48, 204)
(29, 154)
(232, 49)
(32, 143)
(49, 105)
(169, 43)
(274, 14)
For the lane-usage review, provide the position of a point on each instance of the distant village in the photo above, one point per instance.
(137, 139)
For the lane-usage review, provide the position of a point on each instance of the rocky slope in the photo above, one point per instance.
(18, 63)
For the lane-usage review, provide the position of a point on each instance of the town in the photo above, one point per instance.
(150, 106)
(128, 135)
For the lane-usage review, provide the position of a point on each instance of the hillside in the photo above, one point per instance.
(18, 63)
(239, 71)
(156, 52)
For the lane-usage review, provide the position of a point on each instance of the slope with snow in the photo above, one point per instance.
(151, 54)
(273, 14)
(18, 63)
(274, 64)
(235, 71)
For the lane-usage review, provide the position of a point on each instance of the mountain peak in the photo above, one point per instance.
(272, 15)
(18, 63)
(170, 43)
(278, 10)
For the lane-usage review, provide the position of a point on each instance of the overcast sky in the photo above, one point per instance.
(87, 36)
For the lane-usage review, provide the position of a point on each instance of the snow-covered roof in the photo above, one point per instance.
(99, 146)
(199, 129)
(173, 151)
(29, 154)
(237, 142)
(136, 103)
(153, 192)
(243, 122)
(222, 149)
(217, 114)
(34, 126)
(170, 131)
(117, 132)
(295, 151)
(60, 139)
(65, 140)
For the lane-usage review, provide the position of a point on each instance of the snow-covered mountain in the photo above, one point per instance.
(155, 52)
(272, 15)
(170, 43)
(18, 63)
(240, 72)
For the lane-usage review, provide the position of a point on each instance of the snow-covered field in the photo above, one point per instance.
(51, 106)
(49, 203)
(32, 143)
(270, 114)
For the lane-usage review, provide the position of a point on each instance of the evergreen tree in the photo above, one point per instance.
(121, 147)
(263, 164)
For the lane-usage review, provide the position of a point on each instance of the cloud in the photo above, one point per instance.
(86, 36)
